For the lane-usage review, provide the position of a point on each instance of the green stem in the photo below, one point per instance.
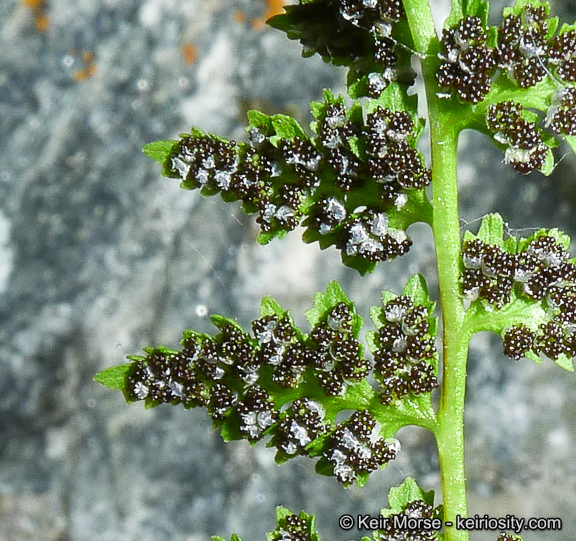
(421, 22)
(450, 431)
(446, 229)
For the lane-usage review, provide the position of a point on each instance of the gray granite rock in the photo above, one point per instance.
(99, 256)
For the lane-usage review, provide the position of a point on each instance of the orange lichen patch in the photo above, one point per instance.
(258, 24)
(240, 16)
(273, 7)
(38, 9)
(42, 23)
(34, 4)
(190, 53)
(89, 69)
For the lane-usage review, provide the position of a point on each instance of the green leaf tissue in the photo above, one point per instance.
(355, 180)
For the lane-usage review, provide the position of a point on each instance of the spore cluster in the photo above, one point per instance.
(540, 272)
(356, 448)
(562, 112)
(341, 184)
(360, 34)
(416, 509)
(292, 528)
(406, 349)
(506, 537)
(467, 62)
(523, 49)
(525, 149)
(277, 381)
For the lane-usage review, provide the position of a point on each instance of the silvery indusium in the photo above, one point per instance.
(356, 181)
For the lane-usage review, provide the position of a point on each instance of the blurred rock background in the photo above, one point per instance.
(100, 256)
